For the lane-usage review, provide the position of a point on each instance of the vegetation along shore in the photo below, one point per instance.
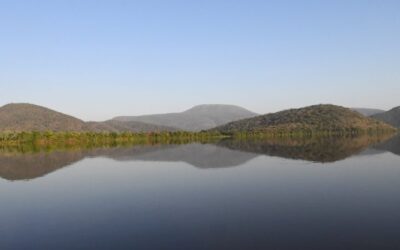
(32, 124)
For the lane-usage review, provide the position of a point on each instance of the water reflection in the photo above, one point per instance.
(33, 165)
(320, 149)
(391, 145)
(24, 166)
(15, 165)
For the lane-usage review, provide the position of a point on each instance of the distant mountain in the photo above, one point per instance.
(312, 118)
(367, 111)
(120, 126)
(198, 118)
(28, 117)
(391, 117)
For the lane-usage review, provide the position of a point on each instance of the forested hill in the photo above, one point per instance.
(29, 117)
(313, 118)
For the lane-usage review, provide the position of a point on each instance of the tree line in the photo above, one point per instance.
(94, 138)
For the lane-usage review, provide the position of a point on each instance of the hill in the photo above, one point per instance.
(391, 117)
(198, 118)
(367, 111)
(121, 126)
(29, 117)
(309, 119)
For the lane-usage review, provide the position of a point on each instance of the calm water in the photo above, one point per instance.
(319, 194)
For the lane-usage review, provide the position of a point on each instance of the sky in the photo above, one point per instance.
(99, 59)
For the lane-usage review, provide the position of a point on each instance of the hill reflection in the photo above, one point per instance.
(391, 145)
(25, 166)
(321, 149)
(17, 165)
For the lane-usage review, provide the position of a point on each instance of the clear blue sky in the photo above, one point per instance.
(98, 59)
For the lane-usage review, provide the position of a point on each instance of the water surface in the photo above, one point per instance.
(233, 194)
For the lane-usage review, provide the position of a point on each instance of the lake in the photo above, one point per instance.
(336, 193)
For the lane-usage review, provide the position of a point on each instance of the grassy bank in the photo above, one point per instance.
(36, 141)
(97, 139)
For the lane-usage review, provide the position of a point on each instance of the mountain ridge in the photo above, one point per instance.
(19, 117)
(368, 111)
(322, 117)
(197, 118)
(391, 117)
